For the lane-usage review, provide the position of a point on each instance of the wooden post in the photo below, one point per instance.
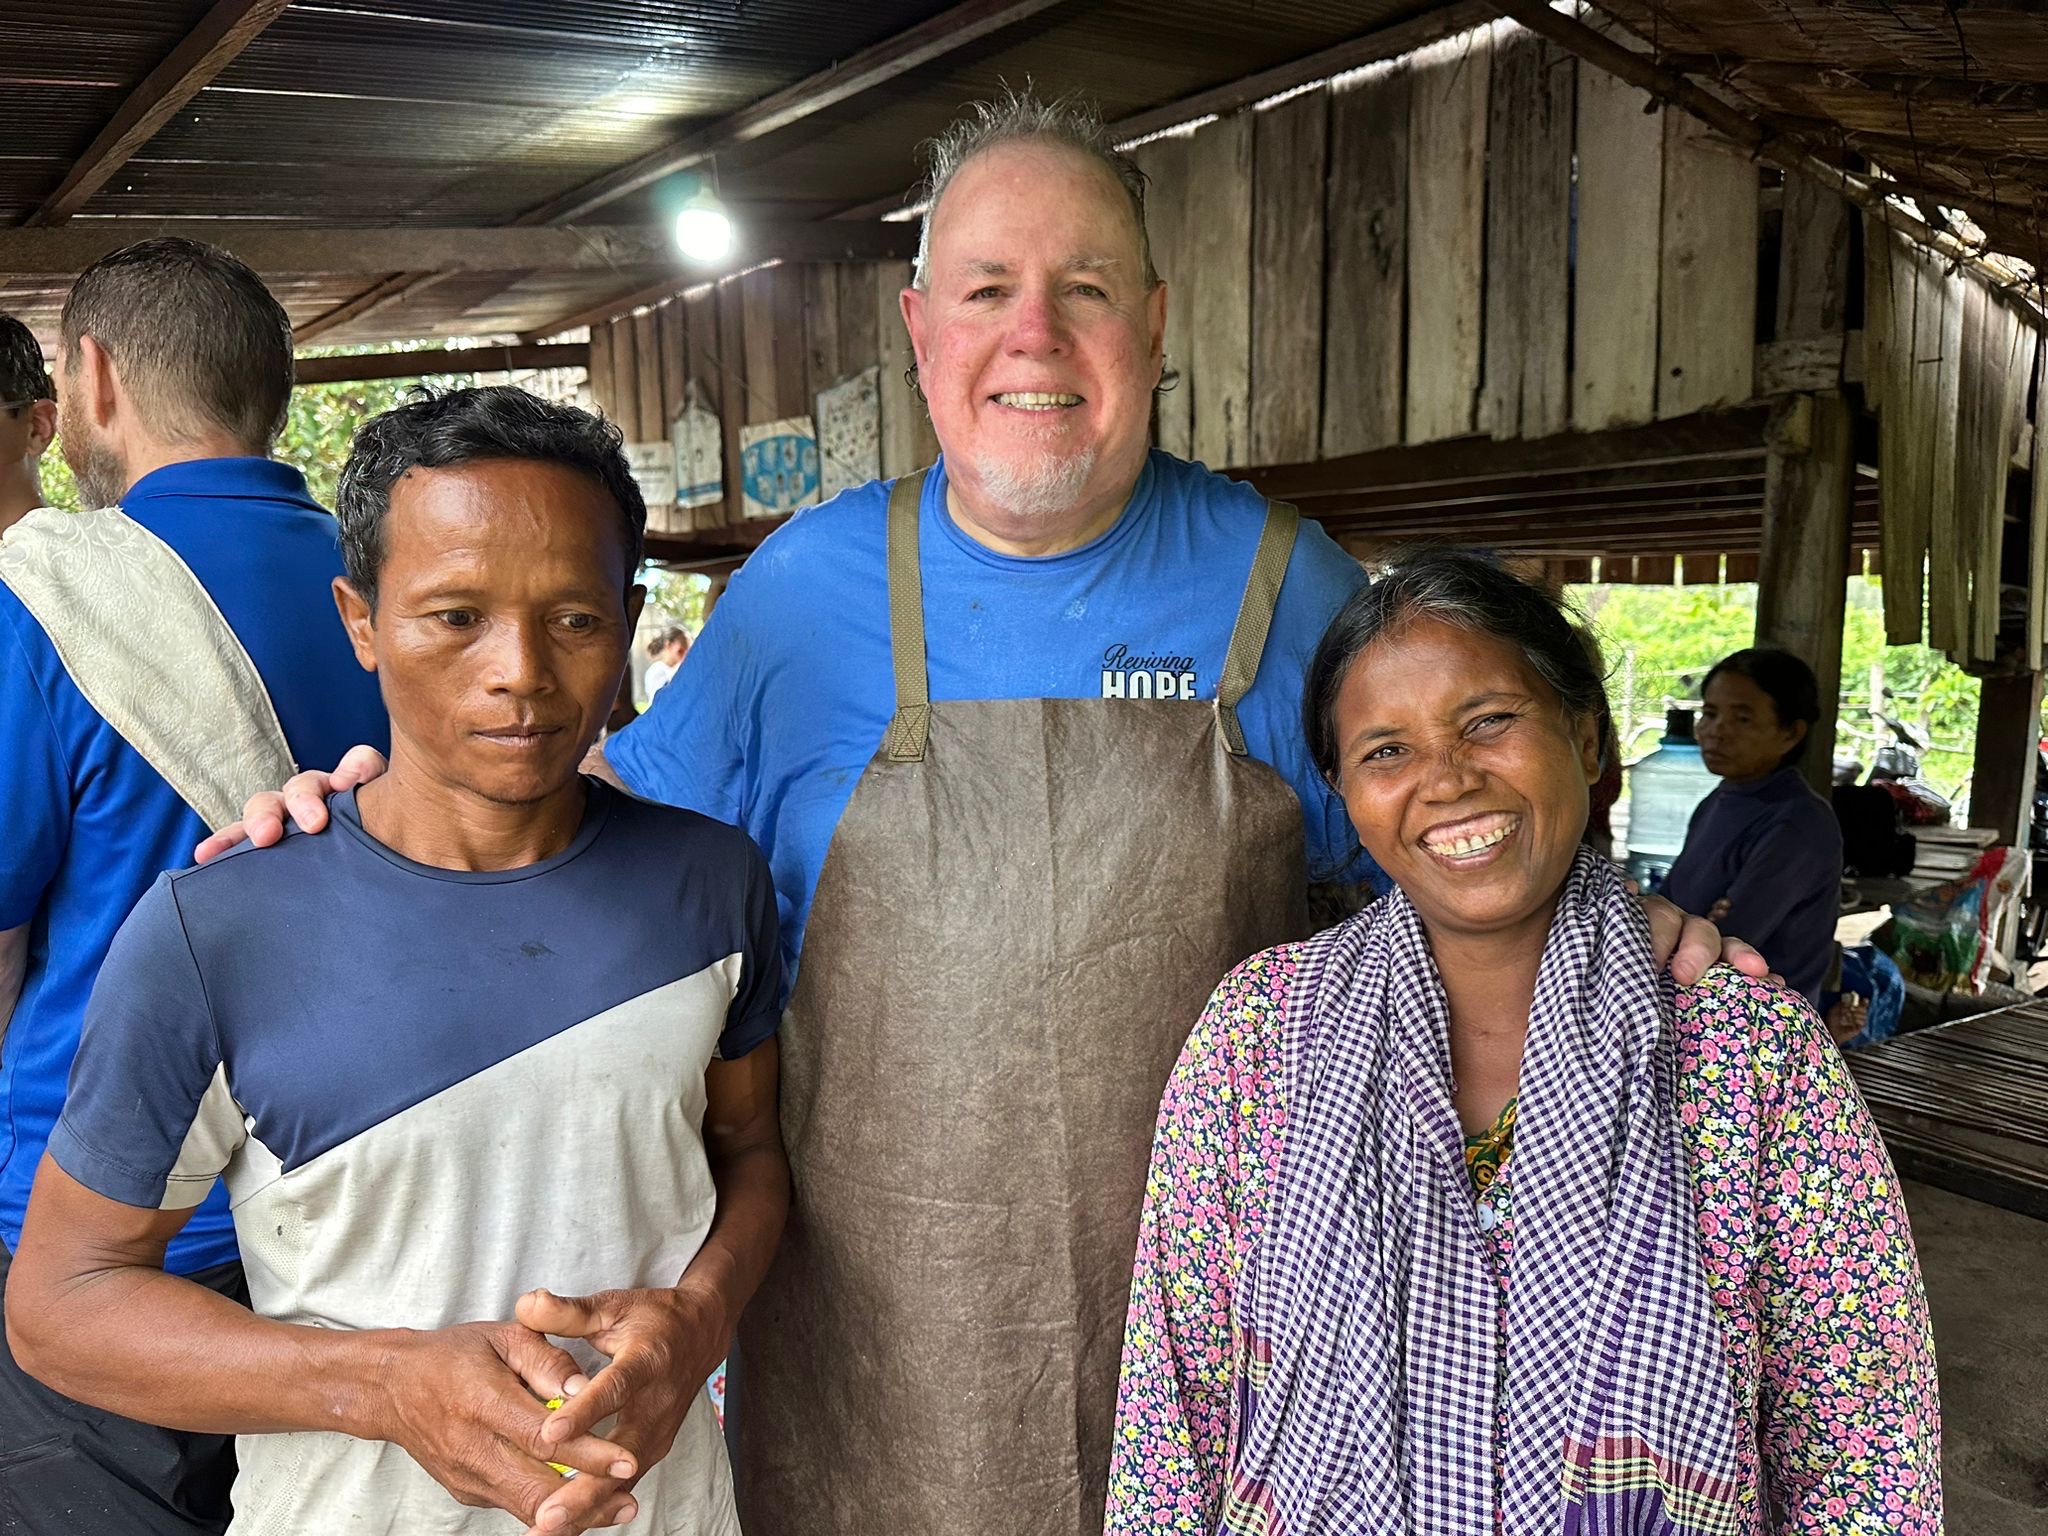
(1366, 280)
(1809, 481)
(1528, 238)
(1290, 154)
(2008, 746)
(1218, 251)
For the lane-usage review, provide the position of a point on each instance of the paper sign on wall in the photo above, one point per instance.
(778, 466)
(699, 468)
(654, 470)
(850, 433)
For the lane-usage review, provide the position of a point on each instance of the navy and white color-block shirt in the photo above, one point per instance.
(429, 1091)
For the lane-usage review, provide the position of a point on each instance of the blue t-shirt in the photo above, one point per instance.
(782, 702)
(439, 1090)
(1773, 849)
(86, 824)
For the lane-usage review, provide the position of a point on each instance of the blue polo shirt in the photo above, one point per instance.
(86, 825)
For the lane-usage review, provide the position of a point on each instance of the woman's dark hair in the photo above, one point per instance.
(24, 378)
(1470, 590)
(467, 426)
(1787, 681)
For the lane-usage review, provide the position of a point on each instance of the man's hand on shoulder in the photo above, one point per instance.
(663, 1343)
(1688, 945)
(303, 799)
(469, 1404)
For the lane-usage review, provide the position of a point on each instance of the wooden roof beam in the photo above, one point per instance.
(223, 32)
(1376, 47)
(926, 43)
(1710, 435)
(1762, 139)
(913, 48)
(271, 247)
(422, 362)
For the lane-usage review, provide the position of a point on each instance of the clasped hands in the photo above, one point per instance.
(468, 1403)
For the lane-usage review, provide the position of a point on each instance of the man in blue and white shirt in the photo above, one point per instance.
(492, 1091)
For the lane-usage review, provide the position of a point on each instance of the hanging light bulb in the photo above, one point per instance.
(704, 228)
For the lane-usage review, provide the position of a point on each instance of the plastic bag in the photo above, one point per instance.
(1939, 938)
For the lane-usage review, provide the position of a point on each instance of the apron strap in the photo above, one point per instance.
(1255, 618)
(910, 726)
(904, 741)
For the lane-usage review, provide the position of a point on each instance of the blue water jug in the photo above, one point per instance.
(1663, 789)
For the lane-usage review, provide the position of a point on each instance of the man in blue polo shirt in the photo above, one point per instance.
(176, 369)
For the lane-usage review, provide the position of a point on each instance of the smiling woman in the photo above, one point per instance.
(1459, 1217)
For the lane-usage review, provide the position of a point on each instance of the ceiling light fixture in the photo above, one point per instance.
(704, 229)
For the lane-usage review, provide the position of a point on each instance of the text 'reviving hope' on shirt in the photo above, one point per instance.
(86, 824)
(783, 701)
(451, 1088)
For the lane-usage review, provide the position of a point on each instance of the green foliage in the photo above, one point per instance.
(322, 419)
(319, 424)
(674, 597)
(1659, 641)
(60, 486)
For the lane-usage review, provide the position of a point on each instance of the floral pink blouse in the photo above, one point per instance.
(1801, 1225)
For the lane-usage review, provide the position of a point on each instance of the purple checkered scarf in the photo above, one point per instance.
(1367, 1372)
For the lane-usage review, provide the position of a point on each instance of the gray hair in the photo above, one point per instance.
(1019, 117)
(1470, 590)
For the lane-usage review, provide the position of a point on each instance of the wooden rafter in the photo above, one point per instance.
(437, 360)
(1769, 139)
(613, 304)
(1374, 47)
(1353, 53)
(270, 247)
(914, 48)
(225, 30)
(926, 43)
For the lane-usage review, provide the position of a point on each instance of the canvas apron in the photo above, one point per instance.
(1021, 915)
(145, 645)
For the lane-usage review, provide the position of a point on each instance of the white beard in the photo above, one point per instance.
(1038, 489)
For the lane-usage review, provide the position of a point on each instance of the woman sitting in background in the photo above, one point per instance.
(1459, 1221)
(1763, 855)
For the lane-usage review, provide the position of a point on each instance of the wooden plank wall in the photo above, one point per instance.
(1439, 287)
(1390, 257)
(1956, 369)
(759, 348)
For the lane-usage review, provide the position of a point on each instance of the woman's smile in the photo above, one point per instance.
(1472, 842)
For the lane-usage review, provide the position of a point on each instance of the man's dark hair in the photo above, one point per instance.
(468, 426)
(1470, 590)
(24, 379)
(201, 344)
(1786, 681)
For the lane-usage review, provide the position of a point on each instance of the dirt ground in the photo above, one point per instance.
(1987, 1279)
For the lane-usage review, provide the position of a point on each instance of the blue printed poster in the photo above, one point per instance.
(778, 466)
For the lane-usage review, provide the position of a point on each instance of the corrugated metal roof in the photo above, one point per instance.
(380, 112)
(1947, 98)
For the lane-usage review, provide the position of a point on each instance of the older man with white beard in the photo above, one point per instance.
(1021, 738)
